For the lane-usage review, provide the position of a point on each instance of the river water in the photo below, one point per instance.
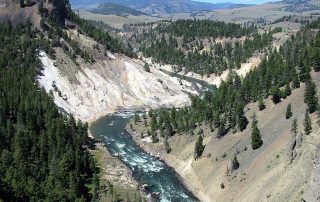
(146, 169)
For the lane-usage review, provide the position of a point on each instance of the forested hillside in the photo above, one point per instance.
(223, 110)
(43, 153)
(203, 46)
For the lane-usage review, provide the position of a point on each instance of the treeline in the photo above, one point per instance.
(111, 43)
(192, 29)
(43, 154)
(223, 110)
(216, 59)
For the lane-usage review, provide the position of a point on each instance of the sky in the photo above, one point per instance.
(238, 1)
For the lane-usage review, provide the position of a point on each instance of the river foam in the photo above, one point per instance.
(146, 168)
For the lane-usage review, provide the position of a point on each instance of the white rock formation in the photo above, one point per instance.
(110, 85)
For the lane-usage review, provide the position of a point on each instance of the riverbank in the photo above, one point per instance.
(116, 179)
(182, 168)
(157, 179)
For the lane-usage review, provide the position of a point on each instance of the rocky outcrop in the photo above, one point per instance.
(60, 10)
(20, 12)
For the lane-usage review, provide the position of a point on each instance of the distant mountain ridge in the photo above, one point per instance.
(157, 7)
(116, 9)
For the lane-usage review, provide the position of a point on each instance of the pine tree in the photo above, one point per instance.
(296, 80)
(221, 130)
(294, 127)
(146, 67)
(316, 65)
(318, 112)
(166, 145)
(304, 73)
(241, 118)
(199, 147)
(310, 96)
(154, 137)
(289, 112)
(96, 186)
(234, 163)
(262, 106)
(153, 123)
(136, 118)
(168, 129)
(287, 90)
(256, 141)
(307, 124)
(276, 95)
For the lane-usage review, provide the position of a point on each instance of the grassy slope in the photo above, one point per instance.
(265, 174)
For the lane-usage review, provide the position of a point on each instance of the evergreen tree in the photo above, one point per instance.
(235, 164)
(221, 130)
(276, 95)
(146, 67)
(310, 96)
(154, 137)
(287, 90)
(316, 65)
(166, 145)
(289, 112)
(294, 127)
(318, 112)
(304, 73)
(199, 147)
(256, 141)
(153, 123)
(241, 118)
(262, 106)
(136, 118)
(307, 124)
(296, 80)
(168, 129)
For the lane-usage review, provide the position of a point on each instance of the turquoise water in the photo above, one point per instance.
(146, 169)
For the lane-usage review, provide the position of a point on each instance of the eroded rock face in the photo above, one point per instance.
(88, 92)
(19, 13)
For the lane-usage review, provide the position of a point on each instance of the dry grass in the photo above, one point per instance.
(117, 21)
(266, 174)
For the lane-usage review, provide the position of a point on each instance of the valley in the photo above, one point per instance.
(162, 101)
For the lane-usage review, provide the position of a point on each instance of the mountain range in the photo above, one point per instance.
(116, 9)
(154, 7)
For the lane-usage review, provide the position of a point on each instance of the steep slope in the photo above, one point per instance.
(241, 142)
(286, 168)
(99, 82)
(44, 154)
(59, 64)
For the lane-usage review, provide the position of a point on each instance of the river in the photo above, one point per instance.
(146, 169)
